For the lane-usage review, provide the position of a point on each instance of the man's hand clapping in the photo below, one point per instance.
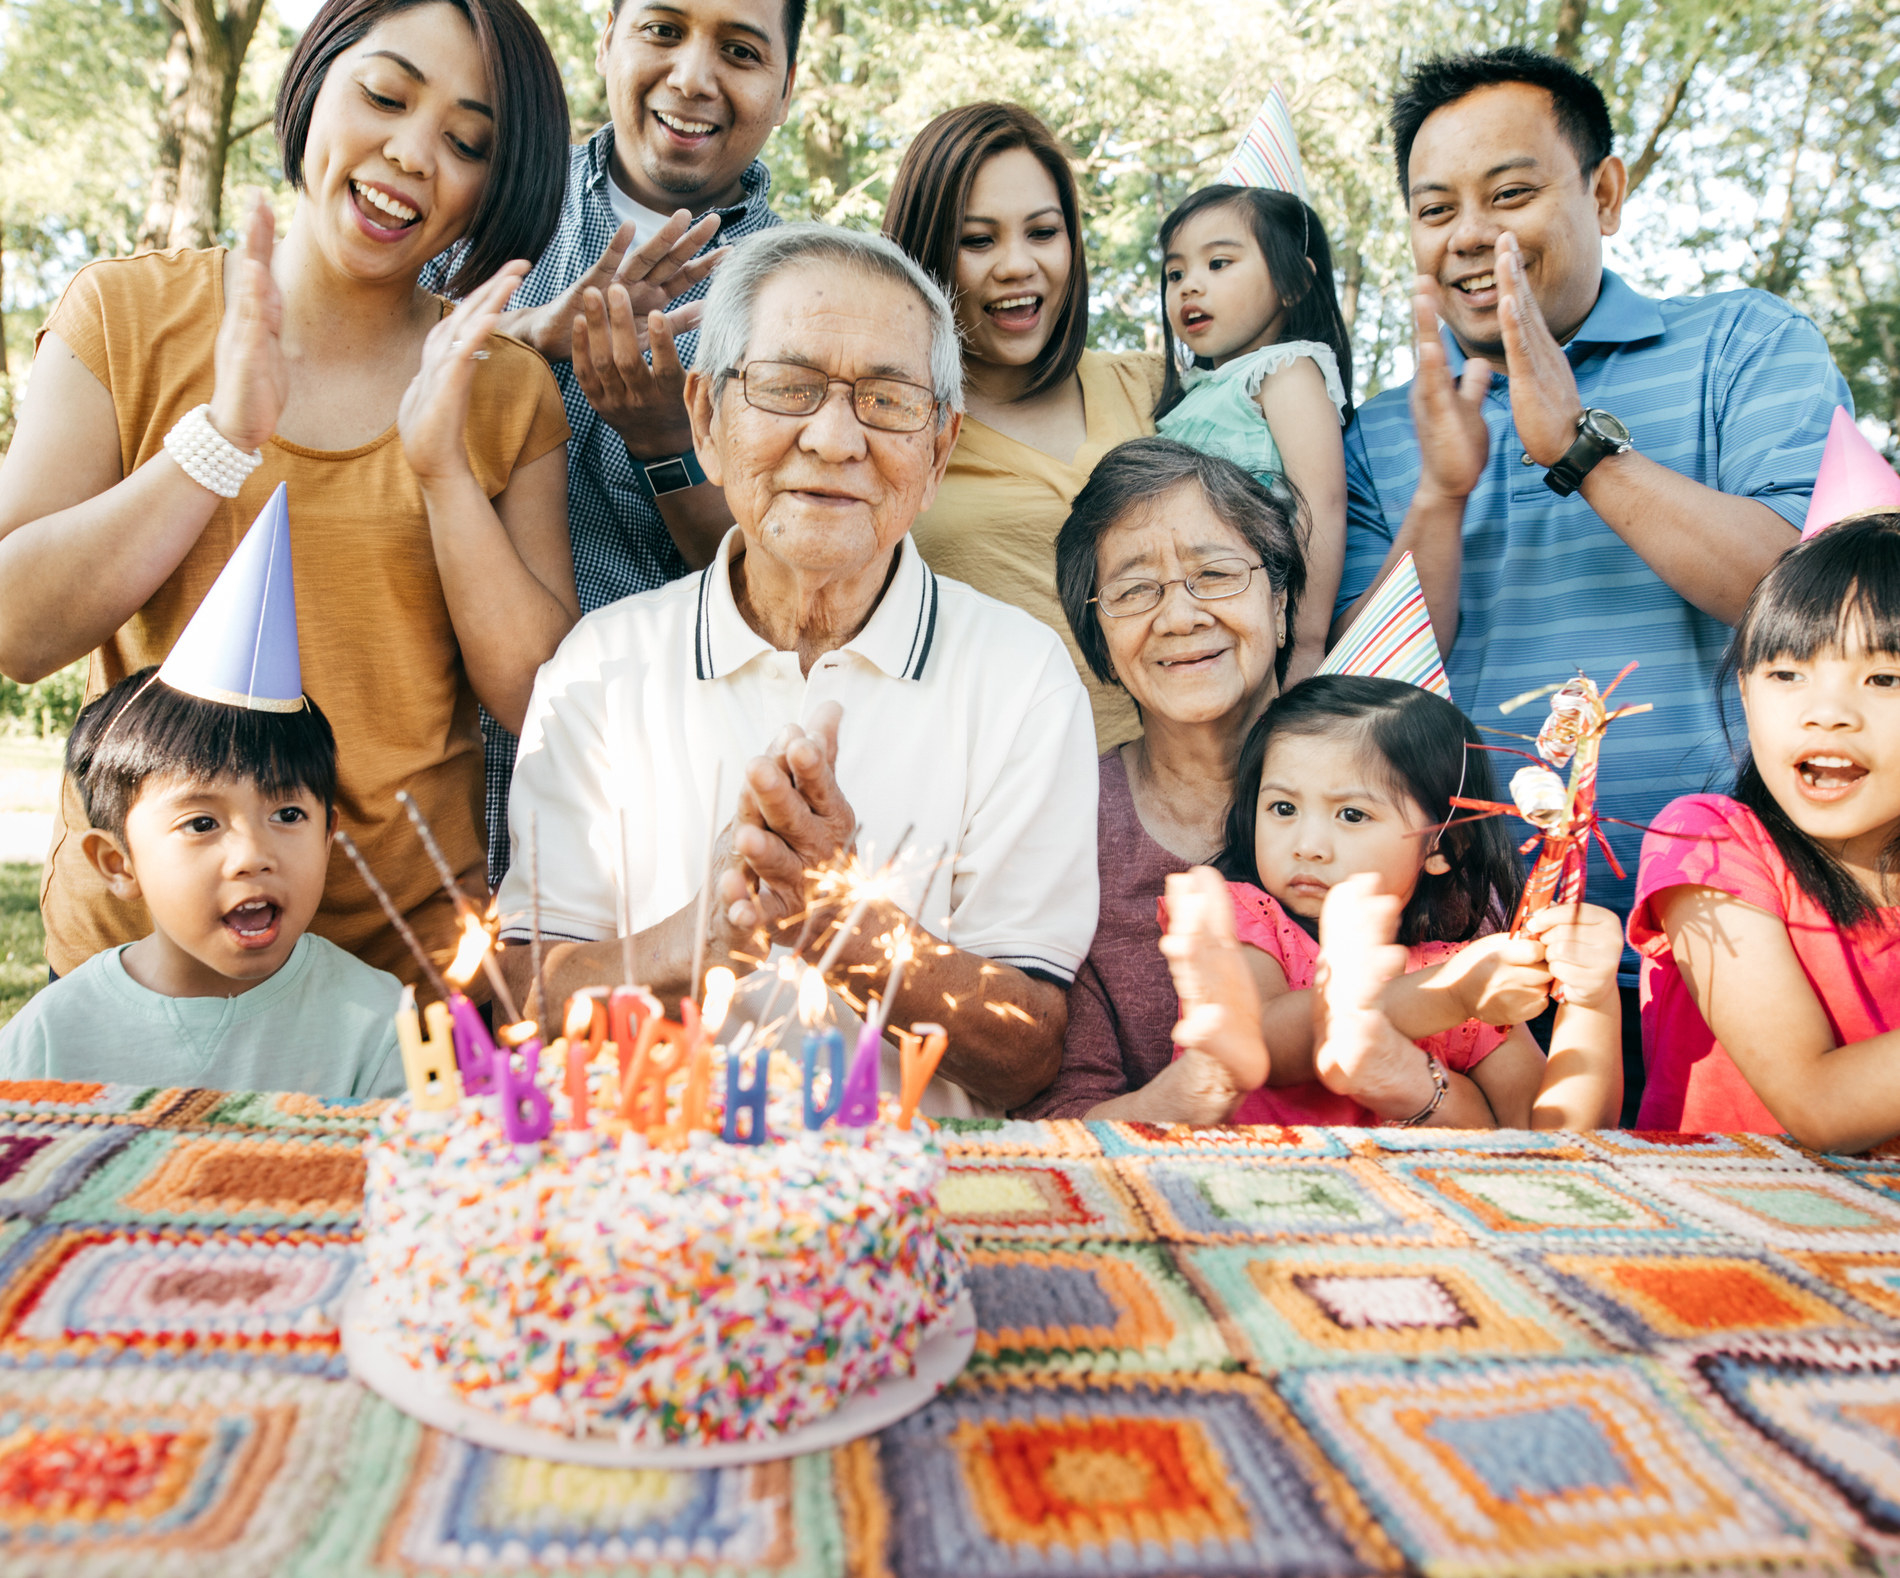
(1545, 404)
(650, 276)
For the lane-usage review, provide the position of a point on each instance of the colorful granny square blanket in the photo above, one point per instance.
(1287, 1351)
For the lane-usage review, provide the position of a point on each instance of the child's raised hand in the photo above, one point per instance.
(1498, 980)
(1220, 1005)
(1583, 945)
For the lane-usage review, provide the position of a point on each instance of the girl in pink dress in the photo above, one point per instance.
(1348, 775)
(1769, 921)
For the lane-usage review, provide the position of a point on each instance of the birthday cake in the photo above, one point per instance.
(653, 1280)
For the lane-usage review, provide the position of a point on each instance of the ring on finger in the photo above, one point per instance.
(479, 356)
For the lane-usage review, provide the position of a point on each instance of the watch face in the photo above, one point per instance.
(1600, 424)
(668, 476)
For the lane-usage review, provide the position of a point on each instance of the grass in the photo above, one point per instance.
(22, 959)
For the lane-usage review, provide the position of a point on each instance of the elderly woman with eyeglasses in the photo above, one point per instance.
(1181, 575)
(837, 690)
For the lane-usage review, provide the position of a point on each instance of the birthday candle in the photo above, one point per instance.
(585, 1016)
(629, 1008)
(698, 1068)
(526, 1115)
(829, 1044)
(921, 1048)
(746, 1097)
(859, 1107)
(474, 1048)
(429, 1063)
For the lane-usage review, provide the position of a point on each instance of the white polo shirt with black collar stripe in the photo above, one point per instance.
(963, 719)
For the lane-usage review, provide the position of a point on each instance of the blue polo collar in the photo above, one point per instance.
(755, 182)
(1620, 317)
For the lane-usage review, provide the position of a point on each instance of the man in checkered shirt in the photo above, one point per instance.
(653, 200)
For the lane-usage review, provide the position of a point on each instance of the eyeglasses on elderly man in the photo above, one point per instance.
(891, 405)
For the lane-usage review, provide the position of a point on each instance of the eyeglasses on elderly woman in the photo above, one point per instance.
(1213, 581)
(790, 389)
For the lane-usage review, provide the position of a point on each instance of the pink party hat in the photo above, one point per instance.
(1854, 479)
(1392, 637)
(241, 645)
(1269, 155)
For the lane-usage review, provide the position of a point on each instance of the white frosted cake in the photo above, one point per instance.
(593, 1283)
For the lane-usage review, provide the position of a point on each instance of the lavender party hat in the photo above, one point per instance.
(1853, 480)
(240, 647)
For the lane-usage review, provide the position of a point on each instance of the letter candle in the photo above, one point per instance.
(526, 1114)
(813, 995)
(860, 1086)
(435, 1085)
(703, 1026)
(586, 1029)
(474, 1048)
(921, 1049)
(746, 1097)
(629, 1008)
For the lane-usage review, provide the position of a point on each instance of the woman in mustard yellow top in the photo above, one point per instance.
(985, 201)
(424, 455)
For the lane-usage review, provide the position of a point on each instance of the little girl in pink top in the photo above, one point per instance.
(1353, 776)
(1769, 922)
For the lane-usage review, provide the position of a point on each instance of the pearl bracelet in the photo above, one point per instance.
(209, 458)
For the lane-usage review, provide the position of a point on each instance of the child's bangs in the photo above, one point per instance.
(1838, 591)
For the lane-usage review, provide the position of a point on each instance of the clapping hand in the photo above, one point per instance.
(1447, 415)
(1545, 404)
(252, 381)
(433, 416)
(645, 405)
(651, 275)
(1220, 1004)
(792, 818)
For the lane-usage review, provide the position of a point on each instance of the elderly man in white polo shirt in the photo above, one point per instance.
(845, 690)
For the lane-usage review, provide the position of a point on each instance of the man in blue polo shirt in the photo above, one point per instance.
(654, 199)
(1583, 475)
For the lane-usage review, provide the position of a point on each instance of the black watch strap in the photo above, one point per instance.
(1577, 462)
(674, 474)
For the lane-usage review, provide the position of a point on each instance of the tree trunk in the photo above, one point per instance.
(1672, 102)
(1568, 42)
(217, 44)
(827, 157)
(1352, 276)
(161, 200)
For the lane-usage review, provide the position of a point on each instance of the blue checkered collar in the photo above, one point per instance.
(755, 182)
(896, 639)
(1620, 317)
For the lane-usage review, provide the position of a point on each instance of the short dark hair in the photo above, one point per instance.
(1299, 261)
(1841, 584)
(527, 163)
(794, 26)
(932, 188)
(1582, 116)
(1137, 473)
(1426, 749)
(141, 728)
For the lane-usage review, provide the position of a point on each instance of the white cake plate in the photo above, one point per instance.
(940, 1360)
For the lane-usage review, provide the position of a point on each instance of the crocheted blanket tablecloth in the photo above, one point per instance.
(1284, 1351)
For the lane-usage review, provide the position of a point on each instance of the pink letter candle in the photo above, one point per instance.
(859, 1107)
(474, 1049)
(526, 1115)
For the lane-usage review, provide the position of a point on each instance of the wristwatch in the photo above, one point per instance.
(1598, 434)
(674, 474)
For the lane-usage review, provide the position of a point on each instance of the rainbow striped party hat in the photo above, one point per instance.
(1269, 155)
(1392, 637)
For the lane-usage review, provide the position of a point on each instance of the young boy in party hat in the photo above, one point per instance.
(209, 784)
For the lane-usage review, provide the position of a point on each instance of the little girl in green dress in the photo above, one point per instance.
(1248, 300)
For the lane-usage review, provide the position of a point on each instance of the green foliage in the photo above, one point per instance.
(22, 939)
(47, 708)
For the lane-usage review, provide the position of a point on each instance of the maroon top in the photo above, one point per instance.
(1122, 1006)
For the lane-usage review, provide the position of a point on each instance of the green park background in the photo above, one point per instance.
(1763, 139)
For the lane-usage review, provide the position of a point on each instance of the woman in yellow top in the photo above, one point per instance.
(985, 201)
(425, 455)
